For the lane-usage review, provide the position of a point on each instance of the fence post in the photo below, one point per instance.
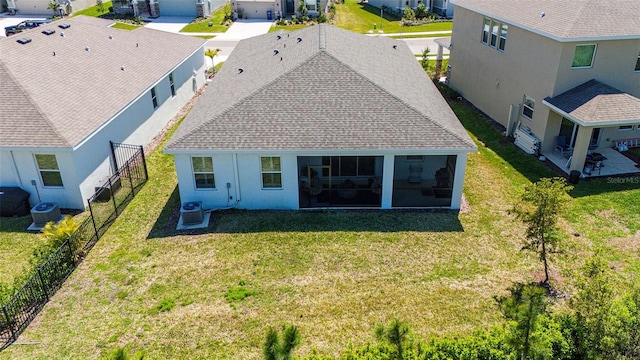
(44, 286)
(113, 196)
(113, 153)
(93, 220)
(133, 193)
(73, 261)
(144, 163)
(9, 323)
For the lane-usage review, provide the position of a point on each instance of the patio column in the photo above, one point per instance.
(583, 138)
(458, 181)
(439, 60)
(387, 181)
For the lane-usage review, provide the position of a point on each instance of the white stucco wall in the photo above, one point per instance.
(39, 7)
(84, 168)
(243, 173)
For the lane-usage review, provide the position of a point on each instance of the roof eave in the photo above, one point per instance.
(590, 123)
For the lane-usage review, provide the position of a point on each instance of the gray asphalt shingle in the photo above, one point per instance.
(595, 102)
(331, 90)
(565, 19)
(56, 93)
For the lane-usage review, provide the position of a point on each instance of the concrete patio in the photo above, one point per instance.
(614, 164)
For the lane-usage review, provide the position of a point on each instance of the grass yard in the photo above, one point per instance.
(93, 11)
(125, 26)
(334, 274)
(16, 246)
(200, 25)
(360, 18)
(292, 27)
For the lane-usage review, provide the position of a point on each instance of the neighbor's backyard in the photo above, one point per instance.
(334, 274)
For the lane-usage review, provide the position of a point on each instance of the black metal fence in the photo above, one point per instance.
(108, 202)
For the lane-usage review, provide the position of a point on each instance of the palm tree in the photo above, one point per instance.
(55, 6)
(210, 53)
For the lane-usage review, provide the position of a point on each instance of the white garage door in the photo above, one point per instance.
(257, 9)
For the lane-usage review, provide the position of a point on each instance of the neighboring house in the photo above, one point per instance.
(66, 95)
(273, 9)
(155, 8)
(440, 7)
(321, 118)
(568, 71)
(40, 7)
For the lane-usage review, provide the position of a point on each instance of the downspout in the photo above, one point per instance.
(236, 178)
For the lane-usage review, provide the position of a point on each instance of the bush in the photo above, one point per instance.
(447, 92)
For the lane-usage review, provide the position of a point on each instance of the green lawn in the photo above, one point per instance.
(201, 25)
(292, 27)
(125, 26)
(334, 274)
(93, 11)
(360, 18)
(16, 246)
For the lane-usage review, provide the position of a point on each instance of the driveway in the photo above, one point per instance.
(244, 29)
(10, 20)
(168, 23)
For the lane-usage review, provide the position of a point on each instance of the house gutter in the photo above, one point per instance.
(307, 152)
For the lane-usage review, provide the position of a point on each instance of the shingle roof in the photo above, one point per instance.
(565, 19)
(56, 93)
(320, 88)
(594, 103)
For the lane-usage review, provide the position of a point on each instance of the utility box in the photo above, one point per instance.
(44, 212)
(191, 213)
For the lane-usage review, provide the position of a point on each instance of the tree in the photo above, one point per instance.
(592, 304)
(425, 59)
(274, 349)
(522, 308)
(408, 14)
(302, 8)
(396, 334)
(100, 6)
(210, 53)
(421, 11)
(55, 7)
(540, 208)
(228, 13)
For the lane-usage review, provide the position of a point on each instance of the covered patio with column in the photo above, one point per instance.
(598, 113)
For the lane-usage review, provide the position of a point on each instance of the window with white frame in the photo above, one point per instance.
(625, 128)
(485, 30)
(494, 33)
(583, 56)
(528, 104)
(503, 36)
(203, 175)
(271, 172)
(49, 170)
(637, 68)
(154, 97)
(172, 85)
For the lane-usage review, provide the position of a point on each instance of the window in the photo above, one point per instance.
(271, 172)
(154, 97)
(349, 165)
(625, 128)
(637, 68)
(418, 158)
(583, 56)
(485, 30)
(49, 171)
(527, 107)
(203, 172)
(494, 33)
(503, 37)
(172, 85)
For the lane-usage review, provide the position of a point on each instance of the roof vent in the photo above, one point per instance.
(110, 37)
(542, 14)
(87, 48)
(54, 53)
(395, 46)
(284, 45)
(137, 45)
(275, 52)
(122, 68)
(61, 34)
(299, 39)
(64, 26)
(48, 32)
(280, 58)
(24, 41)
(240, 70)
(278, 37)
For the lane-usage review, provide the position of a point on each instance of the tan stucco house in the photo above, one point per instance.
(566, 71)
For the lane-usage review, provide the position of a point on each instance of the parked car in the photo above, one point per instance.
(24, 25)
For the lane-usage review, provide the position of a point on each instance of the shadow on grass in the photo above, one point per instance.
(254, 221)
(376, 11)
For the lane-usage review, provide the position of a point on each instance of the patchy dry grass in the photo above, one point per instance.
(334, 274)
